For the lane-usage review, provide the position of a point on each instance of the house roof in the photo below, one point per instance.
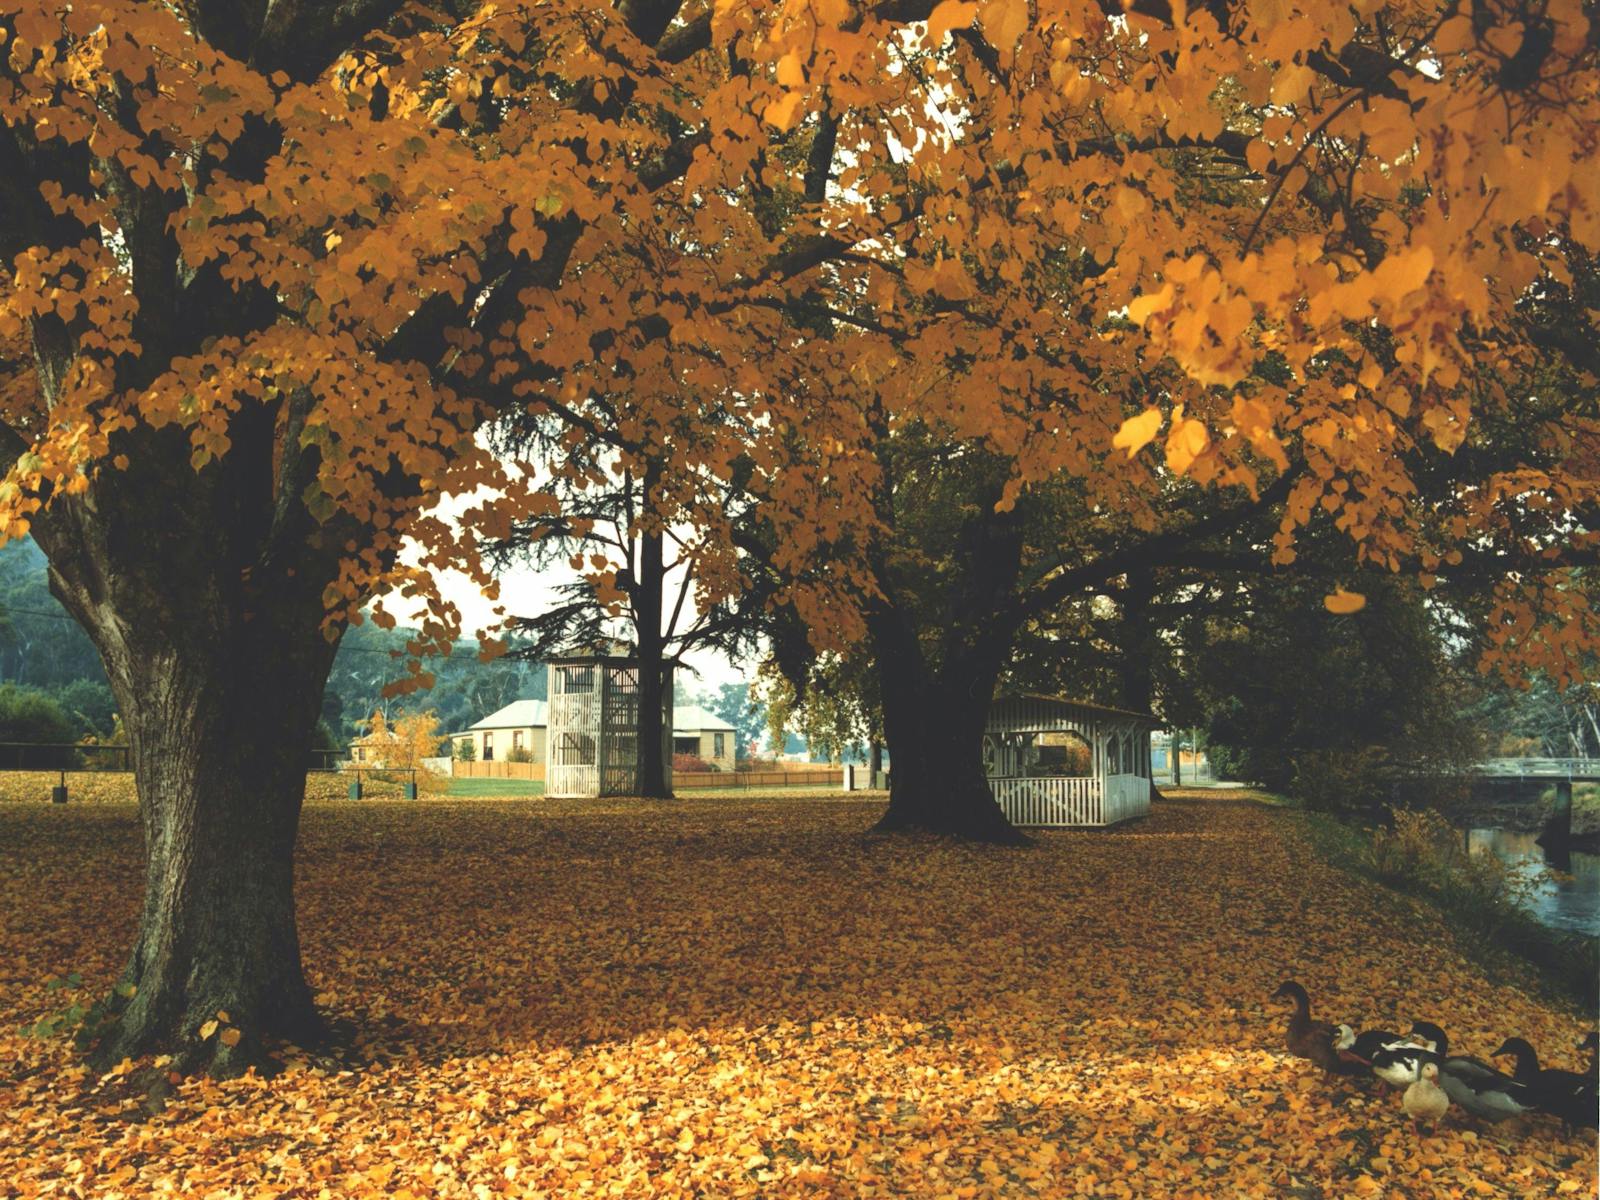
(686, 717)
(1033, 712)
(519, 714)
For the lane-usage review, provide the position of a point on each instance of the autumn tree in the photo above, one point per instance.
(267, 273)
(1290, 247)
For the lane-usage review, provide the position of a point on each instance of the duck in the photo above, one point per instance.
(1564, 1094)
(1362, 1046)
(1307, 1038)
(1473, 1084)
(1400, 1063)
(1424, 1099)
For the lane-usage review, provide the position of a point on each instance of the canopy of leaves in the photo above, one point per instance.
(1259, 236)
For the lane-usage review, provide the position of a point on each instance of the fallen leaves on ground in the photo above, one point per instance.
(750, 997)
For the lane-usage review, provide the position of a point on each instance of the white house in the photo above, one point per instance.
(706, 735)
(514, 733)
(520, 729)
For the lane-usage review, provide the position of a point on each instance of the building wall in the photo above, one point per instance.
(708, 748)
(532, 738)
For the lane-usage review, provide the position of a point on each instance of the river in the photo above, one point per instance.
(1569, 901)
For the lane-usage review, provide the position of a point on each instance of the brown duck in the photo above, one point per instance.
(1313, 1040)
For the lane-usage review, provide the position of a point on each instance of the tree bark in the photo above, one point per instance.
(933, 724)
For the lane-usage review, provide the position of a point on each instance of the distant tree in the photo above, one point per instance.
(89, 705)
(466, 749)
(416, 738)
(1348, 710)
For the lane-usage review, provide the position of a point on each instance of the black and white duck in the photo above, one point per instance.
(1400, 1063)
(1565, 1094)
(1362, 1046)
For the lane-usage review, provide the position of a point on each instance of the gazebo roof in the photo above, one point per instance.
(1032, 712)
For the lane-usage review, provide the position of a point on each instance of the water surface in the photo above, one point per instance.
(1569, 900)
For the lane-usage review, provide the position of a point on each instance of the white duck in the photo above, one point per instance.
(1425, 1100)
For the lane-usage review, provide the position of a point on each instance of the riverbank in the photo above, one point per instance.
(727, 998)
(1482, 912)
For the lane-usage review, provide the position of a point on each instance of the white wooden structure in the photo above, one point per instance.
(593, 736)
(1116, 787)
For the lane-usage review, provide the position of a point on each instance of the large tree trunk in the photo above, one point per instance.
(933, 725)
(204, 597)
(220, 791)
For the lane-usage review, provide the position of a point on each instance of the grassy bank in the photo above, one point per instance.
(1481, 913)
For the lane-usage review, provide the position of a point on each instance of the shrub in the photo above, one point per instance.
(1424, 852)
(30, 716)
(466, 749)
(519, 754)
(1368, 780)
(690, 762)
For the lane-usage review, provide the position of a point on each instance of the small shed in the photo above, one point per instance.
(593, 736)
(1109, 782)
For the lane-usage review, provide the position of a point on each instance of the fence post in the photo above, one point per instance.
(411, 787)
(355, 786)
(58, 794)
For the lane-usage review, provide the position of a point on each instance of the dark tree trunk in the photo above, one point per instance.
(875, 759)
(648, 603)
(1139, 657)
(934, 725)
(220, 791)
(935, 707)
(204, 597)
(1137, 635)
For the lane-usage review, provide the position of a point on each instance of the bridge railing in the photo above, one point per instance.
(1552, 768)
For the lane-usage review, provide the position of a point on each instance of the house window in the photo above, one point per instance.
(686, 745)
(516, 739)
(717, 745)
(488, 747)
(361, 754)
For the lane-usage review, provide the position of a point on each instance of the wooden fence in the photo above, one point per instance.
(813, 777)
(498, 770)
(1071, 800)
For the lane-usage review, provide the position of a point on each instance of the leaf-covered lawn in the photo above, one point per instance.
(722, 998)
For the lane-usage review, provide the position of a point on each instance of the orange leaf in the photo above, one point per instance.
(951, 14)
(1138, 432)
(1342, 602)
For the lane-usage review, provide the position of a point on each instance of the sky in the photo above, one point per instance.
(526, 591)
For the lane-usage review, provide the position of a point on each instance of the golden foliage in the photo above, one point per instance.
(1361, 197)
(753, 999)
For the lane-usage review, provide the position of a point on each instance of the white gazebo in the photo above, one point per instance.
(593, 736)
(1116, 786)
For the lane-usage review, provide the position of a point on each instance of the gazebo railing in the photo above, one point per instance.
(1071, 800)
(1049, 799)
(1127, 796)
